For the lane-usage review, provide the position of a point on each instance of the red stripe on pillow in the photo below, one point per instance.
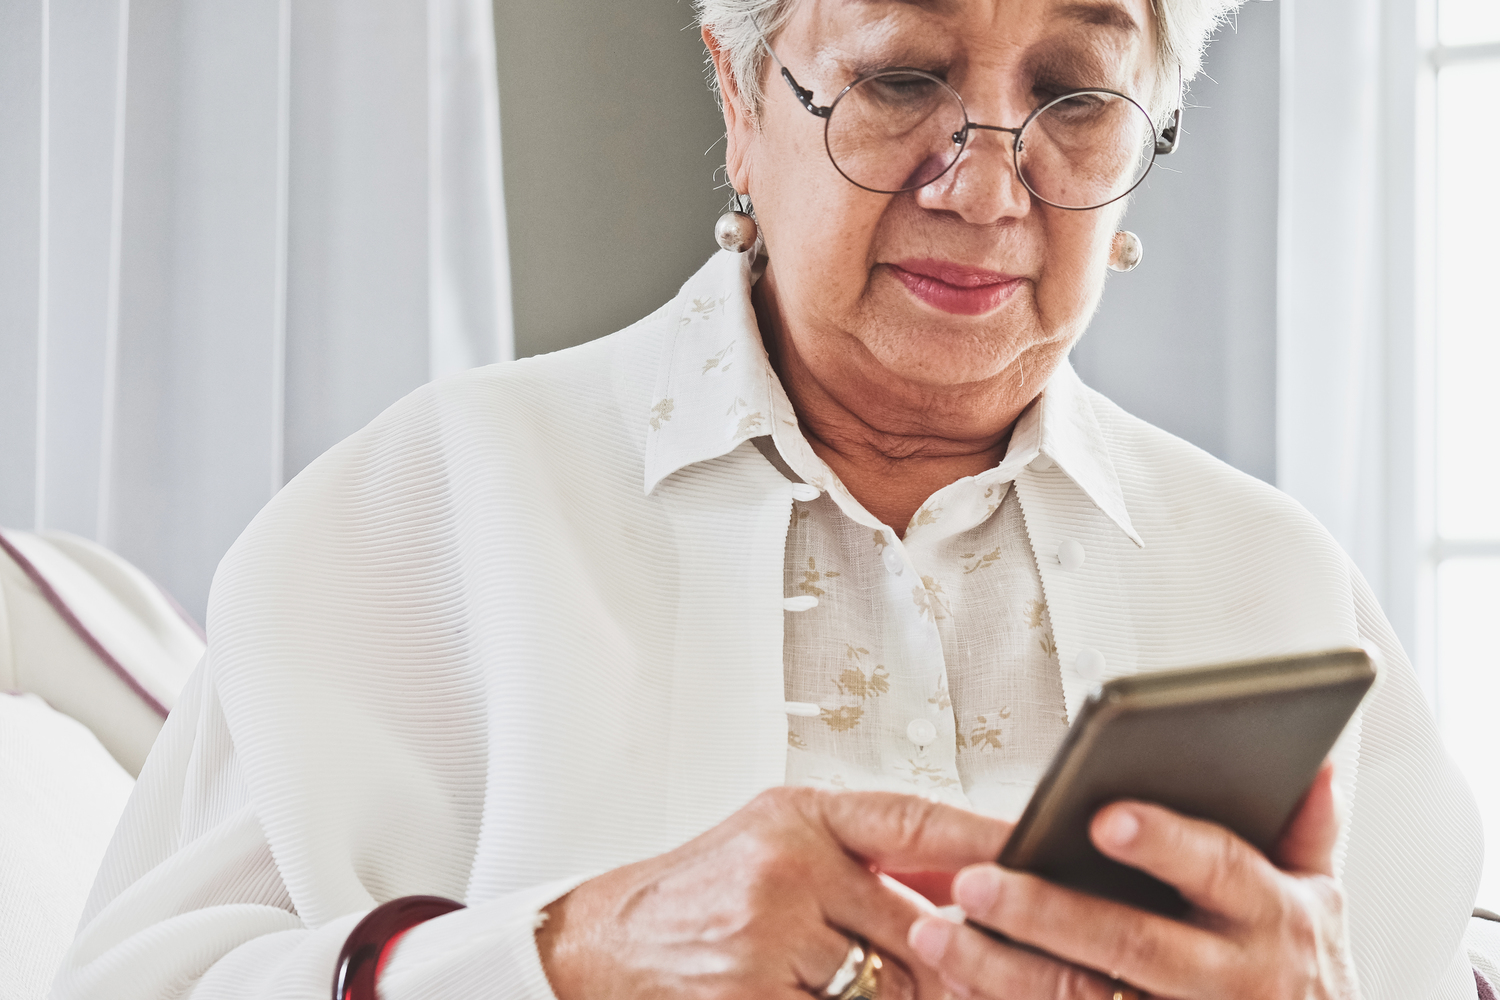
(89, 639)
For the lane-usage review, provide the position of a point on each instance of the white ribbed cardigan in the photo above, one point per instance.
(467, 653)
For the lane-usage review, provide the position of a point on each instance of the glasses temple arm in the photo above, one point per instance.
(1166, 139)
(803, 95)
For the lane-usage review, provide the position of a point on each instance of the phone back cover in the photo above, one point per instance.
(1243, 763)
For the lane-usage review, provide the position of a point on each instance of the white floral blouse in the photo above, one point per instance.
(931, 661)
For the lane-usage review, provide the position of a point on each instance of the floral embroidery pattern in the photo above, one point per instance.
(993, 494)
(704, 308)
(718, 360)
(749, 421)
(853, 682)
(934, 776)
(843, 718)
(925, 515)
(929, 599)
(984, 562)
(985, 735)
(812, 576)
(871, 667)
(661, 413)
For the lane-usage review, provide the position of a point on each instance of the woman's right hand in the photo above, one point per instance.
(763, 904)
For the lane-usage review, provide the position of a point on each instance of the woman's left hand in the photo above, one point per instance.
(1258, 929)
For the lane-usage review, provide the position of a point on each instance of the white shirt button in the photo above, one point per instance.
(805, 493)
(1070, 554)
(921, 732)
(1090, 664)
(1040, 464)
(804, 603)
(803, 709)
(892, 560)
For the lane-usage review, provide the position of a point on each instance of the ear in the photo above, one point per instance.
(739, 124)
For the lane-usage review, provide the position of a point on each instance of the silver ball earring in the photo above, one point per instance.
(1125, 251)
(736, 230)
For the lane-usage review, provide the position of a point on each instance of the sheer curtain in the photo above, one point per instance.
(230, 234)
(1341, 285)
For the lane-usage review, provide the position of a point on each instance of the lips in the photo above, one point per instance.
(955, 288)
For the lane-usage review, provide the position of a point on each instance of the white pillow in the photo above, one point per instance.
(61, 794)
(93, 636)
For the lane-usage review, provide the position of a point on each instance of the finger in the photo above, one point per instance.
(821, 956)
(1164, 956)
(1306, 845)
(896, 983)
(1211, 867)
(906, 833)
(975, 965)
(862, 904)
(937, 887)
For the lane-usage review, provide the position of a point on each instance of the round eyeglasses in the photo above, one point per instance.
(900, 129)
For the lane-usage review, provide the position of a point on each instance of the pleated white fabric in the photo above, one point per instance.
(467, 653)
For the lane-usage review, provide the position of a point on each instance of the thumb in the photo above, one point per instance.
(896, 832)
(1307, 843)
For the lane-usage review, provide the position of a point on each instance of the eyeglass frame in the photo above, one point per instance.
(1165, 139)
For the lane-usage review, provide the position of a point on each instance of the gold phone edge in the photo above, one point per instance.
(1247, 679)
(1071, 763)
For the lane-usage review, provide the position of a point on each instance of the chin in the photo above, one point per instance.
(941, 358)
(948, 350)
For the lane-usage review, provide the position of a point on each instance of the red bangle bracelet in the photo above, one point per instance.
(365, 949)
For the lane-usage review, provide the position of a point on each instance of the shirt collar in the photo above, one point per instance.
(716, 389)
(713, 391)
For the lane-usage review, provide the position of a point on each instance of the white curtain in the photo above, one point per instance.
(230, 234)
(1334, 298)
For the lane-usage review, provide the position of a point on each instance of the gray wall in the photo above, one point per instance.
(611, 206)
(1187, 340)
(610, 201)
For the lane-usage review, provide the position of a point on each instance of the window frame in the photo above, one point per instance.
(1413, 58)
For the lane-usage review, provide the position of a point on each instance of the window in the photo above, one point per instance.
(1462, 572)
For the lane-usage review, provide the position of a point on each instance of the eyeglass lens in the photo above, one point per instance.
(901, 130)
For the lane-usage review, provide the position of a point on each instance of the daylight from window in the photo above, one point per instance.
(1466, 325)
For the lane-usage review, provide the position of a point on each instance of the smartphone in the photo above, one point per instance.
(1236, 744)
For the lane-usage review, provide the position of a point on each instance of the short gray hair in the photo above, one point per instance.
(1183, 27)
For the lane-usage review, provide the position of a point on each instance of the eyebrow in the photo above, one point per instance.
(1104, 15)
(928, 5)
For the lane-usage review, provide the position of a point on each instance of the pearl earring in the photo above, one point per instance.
(736, 230)
(1125, 251)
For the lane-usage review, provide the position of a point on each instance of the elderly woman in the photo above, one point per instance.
(672, 656)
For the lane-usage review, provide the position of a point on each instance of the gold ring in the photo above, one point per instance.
(1123, 991)
(857, 978)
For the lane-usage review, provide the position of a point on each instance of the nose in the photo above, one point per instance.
(982, 187)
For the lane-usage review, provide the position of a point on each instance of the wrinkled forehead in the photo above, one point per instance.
(1123, 31)
(1121, 16)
